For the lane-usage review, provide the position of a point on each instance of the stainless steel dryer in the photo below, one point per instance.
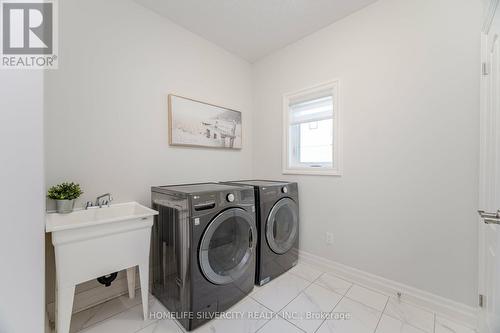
(278, 225)
(203, 249)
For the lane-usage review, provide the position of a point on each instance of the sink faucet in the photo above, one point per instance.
(99, 202)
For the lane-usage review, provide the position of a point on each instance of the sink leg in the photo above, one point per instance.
(144, 277)
(131, 282)
(64, 308)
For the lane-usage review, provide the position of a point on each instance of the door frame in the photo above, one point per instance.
(485, 150)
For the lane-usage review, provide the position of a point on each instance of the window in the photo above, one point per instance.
(312, 131)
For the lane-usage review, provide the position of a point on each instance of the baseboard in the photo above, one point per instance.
(442, 306)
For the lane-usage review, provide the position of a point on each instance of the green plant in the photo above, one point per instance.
(64, 191)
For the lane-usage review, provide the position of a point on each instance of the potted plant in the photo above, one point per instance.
(64, 194)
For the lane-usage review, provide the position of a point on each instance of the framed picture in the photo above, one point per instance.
(197, 124)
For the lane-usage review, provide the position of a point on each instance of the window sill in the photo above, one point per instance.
(313, 172)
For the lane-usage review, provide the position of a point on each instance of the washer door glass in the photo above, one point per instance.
(227, 246)
(282, 225)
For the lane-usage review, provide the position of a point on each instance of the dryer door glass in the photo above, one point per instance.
(227, 246)
(282, 225)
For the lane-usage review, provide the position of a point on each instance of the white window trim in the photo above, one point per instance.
(334, 85)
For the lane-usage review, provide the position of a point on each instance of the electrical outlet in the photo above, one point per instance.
(329, 238)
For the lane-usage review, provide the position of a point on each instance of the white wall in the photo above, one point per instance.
(22, 306)
(405, 207)
(106, 106)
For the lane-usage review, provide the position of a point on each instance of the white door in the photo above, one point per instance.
(489, 199)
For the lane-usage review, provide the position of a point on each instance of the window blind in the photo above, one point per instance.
(316, 109)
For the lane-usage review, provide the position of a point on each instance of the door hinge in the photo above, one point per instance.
(482, 300)
(485, 69)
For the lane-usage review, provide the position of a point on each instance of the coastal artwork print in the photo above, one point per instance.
(198, 124)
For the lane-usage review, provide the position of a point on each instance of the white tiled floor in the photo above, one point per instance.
(306, 299)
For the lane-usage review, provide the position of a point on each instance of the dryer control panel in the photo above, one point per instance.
(203, 203)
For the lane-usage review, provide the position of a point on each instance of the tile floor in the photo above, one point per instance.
(296, 302)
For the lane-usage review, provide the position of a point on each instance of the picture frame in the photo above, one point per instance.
(193, 123)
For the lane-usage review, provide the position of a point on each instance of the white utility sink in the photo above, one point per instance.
(95, 216)
(95, 242)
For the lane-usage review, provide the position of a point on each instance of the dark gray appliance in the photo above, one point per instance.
(203, 249)
(277, 205)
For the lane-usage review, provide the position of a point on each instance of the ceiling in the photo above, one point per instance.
(253, 29)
